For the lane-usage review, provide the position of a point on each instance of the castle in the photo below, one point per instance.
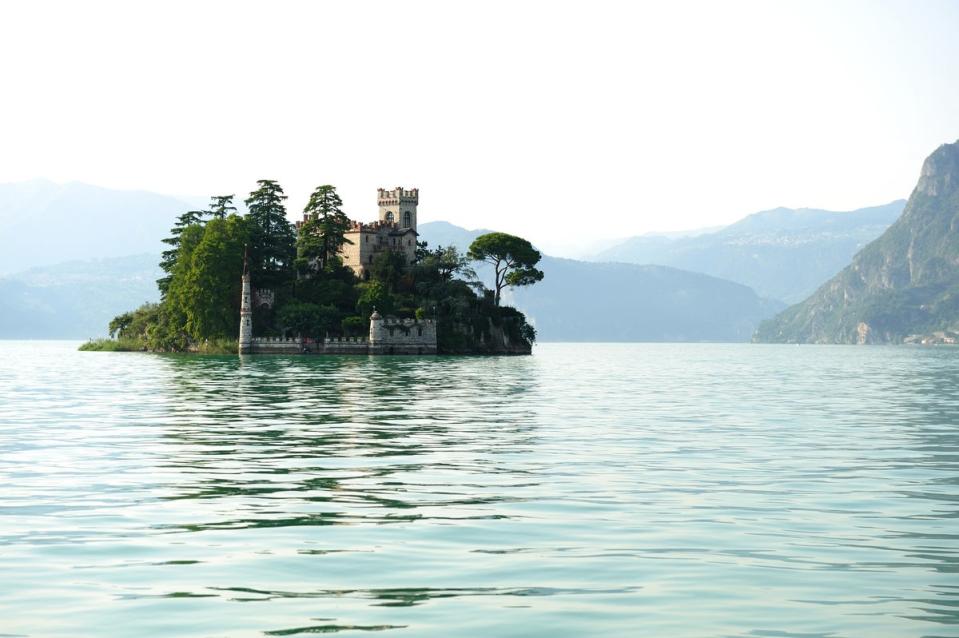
(394, 231)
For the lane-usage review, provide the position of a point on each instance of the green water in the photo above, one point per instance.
(588, 490)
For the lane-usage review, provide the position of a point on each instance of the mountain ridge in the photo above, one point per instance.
(902, 287)
(781, 253)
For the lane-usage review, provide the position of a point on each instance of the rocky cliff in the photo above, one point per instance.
(902, 287)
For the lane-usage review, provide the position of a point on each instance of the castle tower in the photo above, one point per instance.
(398, 206)
(246, 313)
(377, 332)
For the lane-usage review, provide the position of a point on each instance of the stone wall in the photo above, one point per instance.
(276, 345)
(402, 336)
(408, 337)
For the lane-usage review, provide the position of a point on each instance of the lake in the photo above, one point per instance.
(588, 490)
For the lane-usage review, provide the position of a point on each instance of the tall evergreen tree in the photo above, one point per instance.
(221, 206)
(272, 238)
(169, 257)
(324, 233)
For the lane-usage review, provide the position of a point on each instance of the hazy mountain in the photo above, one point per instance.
(584, 301)
(904, 283)
(447, 234)
(75, 299)
(781, 253)
(43, 223)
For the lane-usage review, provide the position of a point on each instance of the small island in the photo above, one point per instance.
(327, 284)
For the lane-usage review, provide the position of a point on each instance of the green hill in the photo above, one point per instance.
(902, 287)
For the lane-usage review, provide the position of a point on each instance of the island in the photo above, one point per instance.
(256, 284)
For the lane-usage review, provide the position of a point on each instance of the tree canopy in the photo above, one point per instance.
(221, 206)
(513, 260)
(323, 234)
(272, 237)
(168, 257)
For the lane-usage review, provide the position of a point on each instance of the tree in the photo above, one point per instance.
(309, 319)
(449, 261)
(387, 268)
(168, 257)
(221, 206)
(513, 259)
(324, 233)
(205, 291)
(374, 296)
(272, 238)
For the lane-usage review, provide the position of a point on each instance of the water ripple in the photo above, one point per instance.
(615, 490)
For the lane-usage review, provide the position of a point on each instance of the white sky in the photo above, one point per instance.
(562, 122)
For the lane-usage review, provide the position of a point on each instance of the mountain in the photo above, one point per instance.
(585, 301)
(447, 234)
(76, 299)
(904, 286)
(782, 253)
(43, 222)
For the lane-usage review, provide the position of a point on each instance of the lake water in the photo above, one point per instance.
(588, 490)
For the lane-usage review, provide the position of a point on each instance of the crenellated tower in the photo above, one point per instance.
(398, 206)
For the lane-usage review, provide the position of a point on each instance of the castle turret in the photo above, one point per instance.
(377, 332)
(246, 313)
(398, 206)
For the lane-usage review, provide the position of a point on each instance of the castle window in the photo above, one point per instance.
(389, 217)
(367, 238)
(407, 219)
(419, 331)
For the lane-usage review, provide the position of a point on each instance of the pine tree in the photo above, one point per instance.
(272, 238)
(324, 233)
(169, 257)
(221, 206)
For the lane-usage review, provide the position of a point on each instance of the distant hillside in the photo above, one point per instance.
(44, 223)
(77, 299)
(781, 253)
(906, 283)
(447, 234)
(584, 301)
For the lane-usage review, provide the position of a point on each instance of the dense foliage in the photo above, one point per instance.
(303, 289)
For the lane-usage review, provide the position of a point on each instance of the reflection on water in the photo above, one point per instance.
(682, 490)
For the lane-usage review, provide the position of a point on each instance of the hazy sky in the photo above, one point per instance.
(563, 122)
